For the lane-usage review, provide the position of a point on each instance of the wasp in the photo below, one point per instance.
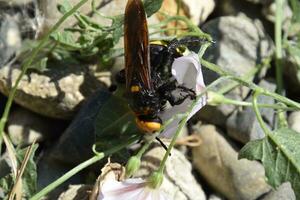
(147, 73)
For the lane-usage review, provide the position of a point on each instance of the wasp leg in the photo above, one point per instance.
(175, 93)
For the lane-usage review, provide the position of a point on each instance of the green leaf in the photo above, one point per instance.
(64, 7)
(66, 39)
(114, 123)
(152, 6)
(6, 184)
(294, 51)
(117, 25)
(29, 178)
(280, 155)
(295, 5)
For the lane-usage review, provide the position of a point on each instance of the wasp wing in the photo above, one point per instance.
(136, 45)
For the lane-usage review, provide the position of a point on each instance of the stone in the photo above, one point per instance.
(56, 93)
(75, 144)
(10, 39)
(291, 75)
(15, 2)
(283, 192)
(269, 11)
(294, 121)
(76, 192)
(241, 44)
(217, 162)
(178, 183)
(50, 170)
(198, 10)
(215, 197)
(242, 125)
(24, 127)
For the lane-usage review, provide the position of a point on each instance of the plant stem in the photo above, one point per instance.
(249, 84)
(249, 104)
(258, 115)
(177, 13)
(80, 167)
(180, 127)
(278, 44)
(271, 136)
(27, 64)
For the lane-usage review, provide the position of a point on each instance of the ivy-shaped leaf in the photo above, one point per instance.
(280, 155)
(152, 6)
(64, 7)
(114, 123)
(29, 177)
(66, 38)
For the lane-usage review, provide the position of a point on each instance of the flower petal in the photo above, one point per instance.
(135, 188)
(187, 71)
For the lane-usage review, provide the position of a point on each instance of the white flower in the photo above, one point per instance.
(187, 71)
(129, 189)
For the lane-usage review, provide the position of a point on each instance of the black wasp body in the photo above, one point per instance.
(147, 73)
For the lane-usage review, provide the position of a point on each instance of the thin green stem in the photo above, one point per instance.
(249, 104)
(278, 44)
(80, 167)
(248, 76)
(258, 115)
(173, 141)
(270, 135)
(249, 84)
(144, 148)
(177, 13)
(27, 64)
(183, 122)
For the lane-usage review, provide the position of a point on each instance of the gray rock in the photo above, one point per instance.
(10, 39)
(217, 162)
(291, 74)
(269, 11)
(241, 44)
(50, 170)
(24, 127)
(215, 197)
(14, 2)
(284, 192)
(56, 93)
(75, 144)
(76, 192)
(179, 183)
(242, 124)
(199, 10)
(294, 121)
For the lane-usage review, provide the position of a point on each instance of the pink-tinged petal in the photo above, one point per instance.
(187, 71)
(135, 188)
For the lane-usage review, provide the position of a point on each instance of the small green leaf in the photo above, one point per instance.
(40, 65)
(152, 6)
(66, 39)
(295, 5)
(6, 184)
(29, 178)
(114, 123)
(64, 7)
(117, 25)
(280, 155)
